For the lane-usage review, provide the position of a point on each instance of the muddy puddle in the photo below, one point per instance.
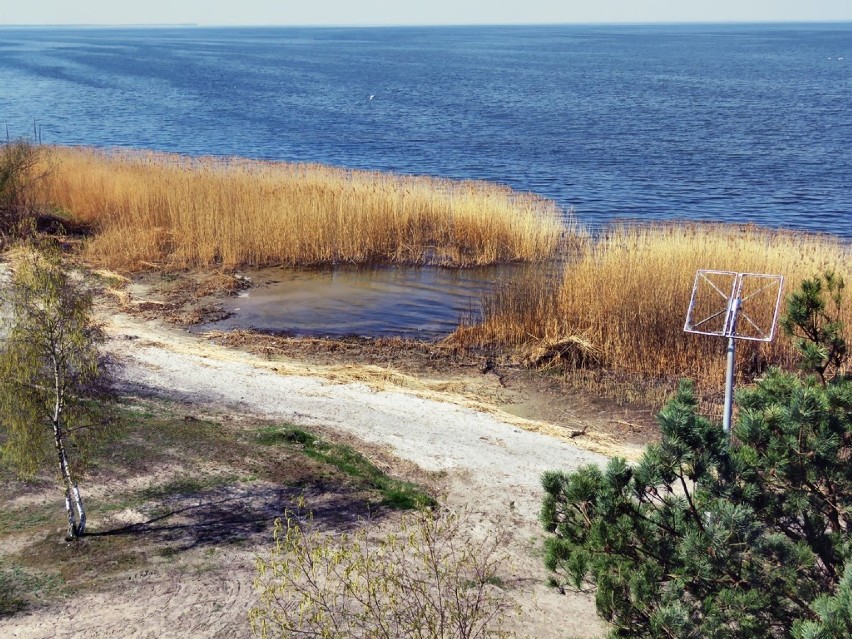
(422, 303)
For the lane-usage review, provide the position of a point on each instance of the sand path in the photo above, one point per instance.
(489, 462)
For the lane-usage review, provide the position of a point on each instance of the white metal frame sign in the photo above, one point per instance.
(735, 305)
(720, 299)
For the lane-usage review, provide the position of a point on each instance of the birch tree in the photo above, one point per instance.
(52, 376)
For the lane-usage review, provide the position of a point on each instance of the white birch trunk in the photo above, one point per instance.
(77, 523)
(72, 525)
(81, 512)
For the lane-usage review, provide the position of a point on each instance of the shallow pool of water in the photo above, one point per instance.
(422, 303)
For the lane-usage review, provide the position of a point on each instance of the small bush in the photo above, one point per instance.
(429, 579)
(20, 171)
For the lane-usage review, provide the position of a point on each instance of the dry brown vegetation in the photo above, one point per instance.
(617, 311)
(613, 316)
(151, 210)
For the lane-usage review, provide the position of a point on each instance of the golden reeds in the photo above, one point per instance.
(151, 209)
(616, 309)
(620, 306)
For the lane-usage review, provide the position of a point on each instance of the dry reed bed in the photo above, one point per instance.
(615, 313)
(620, 307)
(158, 210)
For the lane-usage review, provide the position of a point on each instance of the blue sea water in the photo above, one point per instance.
(734, 123)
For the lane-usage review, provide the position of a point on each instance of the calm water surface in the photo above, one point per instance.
(726, 123)
(420, 303)
(745, 123)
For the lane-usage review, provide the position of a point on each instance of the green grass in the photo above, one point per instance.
(183, 486)
(147, 431)
(77, 566)
(19, 519)
(395, 493)
(186, 486)
(164, 436)
(20, 589)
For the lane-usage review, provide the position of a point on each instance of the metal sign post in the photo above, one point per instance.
(736, 306)
(729, 373)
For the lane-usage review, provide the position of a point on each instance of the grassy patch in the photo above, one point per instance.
(21, 589)
(395, 493)
(186, 486)
(155, 433)
(30, 517)
(81, 564)
(168, 467)
(183, 486)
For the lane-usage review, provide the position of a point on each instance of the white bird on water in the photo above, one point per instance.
(371, 97)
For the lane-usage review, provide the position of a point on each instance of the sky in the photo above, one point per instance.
(415, 12)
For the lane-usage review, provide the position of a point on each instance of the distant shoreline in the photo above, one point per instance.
(196, 25)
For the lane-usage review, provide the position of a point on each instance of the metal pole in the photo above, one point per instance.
(729, 388)
(729, 375)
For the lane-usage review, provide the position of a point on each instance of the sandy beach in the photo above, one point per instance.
(479, 458)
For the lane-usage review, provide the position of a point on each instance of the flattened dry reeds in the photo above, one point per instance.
(620, 307)
(152, 209)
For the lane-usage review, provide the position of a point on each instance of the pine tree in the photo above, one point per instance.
(834, 612)
(707, 538)
(813, 318)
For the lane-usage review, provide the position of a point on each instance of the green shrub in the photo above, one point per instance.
(20, 171)
(429, 578)
(710, 538)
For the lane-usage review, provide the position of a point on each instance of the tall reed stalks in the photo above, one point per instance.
(620, 307)
(151, 210)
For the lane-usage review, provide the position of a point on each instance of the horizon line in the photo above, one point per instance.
(197, 25)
